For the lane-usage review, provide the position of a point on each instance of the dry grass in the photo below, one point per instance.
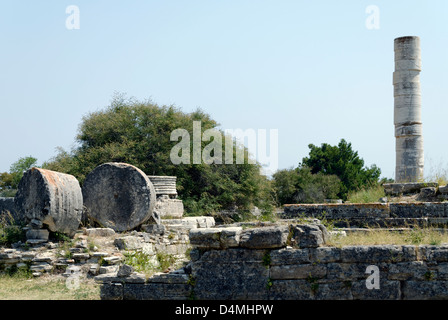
(46, 288)
(414, 236)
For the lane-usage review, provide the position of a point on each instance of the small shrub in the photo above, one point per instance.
(10, 234)
(141, 261)
(165, 260)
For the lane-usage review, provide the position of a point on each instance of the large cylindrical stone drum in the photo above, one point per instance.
(119, 196)
(51, 197)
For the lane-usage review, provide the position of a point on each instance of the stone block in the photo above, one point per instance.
(348, 271)
(230, 237)
(388, 290)
(289, 256)
(178, 278)
(325, 254)
(417, 209)
(402, 271)
(230, 280)
(425, 290)
(233, 255)
(133, 243)
(395, 189)
(373, 254)
(298, 271)
(156, 291)
(307, 236)
(291, 290)
(99, 232)
(332, 291)
(264, 238)
(433, 253)
(166, 207)
(111, 291)
(37, 234)
(206, 238)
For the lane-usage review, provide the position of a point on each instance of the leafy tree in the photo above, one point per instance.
(139, 133)
(299, 185)
(9, 181)
(344, 162)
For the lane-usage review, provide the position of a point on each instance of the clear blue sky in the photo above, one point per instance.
(311, 69)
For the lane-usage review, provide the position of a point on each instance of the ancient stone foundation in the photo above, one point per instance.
(397, 214)
(290, 263)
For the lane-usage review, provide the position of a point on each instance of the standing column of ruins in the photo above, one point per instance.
(407, 110)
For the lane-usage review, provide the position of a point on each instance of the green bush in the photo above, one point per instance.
(301, 186)
(344, 162)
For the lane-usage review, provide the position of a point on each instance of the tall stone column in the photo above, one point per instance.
(407, 110)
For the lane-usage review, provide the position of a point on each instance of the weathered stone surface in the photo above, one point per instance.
(133, 243)
(268, 237)
(395, 189)
(206, 238)
(336, 211)
(325, 254)
(191, 222)
(416, 270)
(234, 255)
(230, 280)
(99, 232)
(425, 290)
(111, 291)
(443, 189)
(9, 212)
(119, 196)
(53, 198)
(156, 291)
(230, 237)
(374, 254)
(289, 256)
(433, 253)
(291, 290)
(41, 234)
(164, 185)
(297, 271)
(417, 210)
(169, 278)
(125, 270)
(428, 192)
(333, 291)
(388, 290)
(167, 207)
(308, 236)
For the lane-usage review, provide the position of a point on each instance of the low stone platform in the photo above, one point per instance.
(397, 214)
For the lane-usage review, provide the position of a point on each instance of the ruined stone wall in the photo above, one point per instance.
(372, 214)
(290, 262)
